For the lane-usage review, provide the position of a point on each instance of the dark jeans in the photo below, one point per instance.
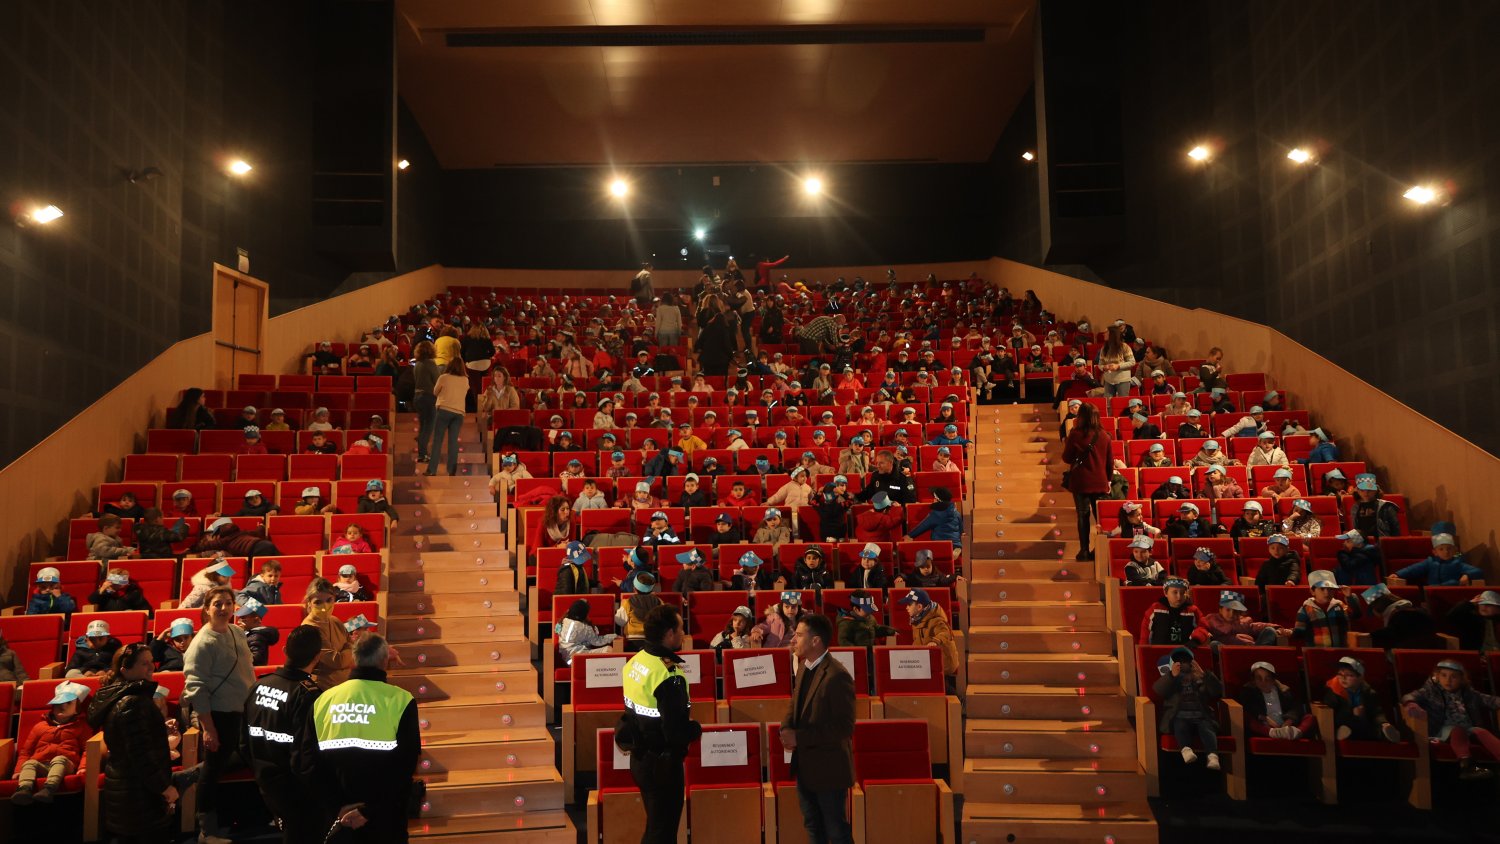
(1206, 731)
(1084, 503)
(425, 406)
(824, 815)
(660, 779)
(301, 819)
(445, 424)
(216, 763)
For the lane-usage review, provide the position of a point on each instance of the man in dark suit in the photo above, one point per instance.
(818, 730)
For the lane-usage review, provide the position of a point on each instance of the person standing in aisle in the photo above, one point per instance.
(658, 727)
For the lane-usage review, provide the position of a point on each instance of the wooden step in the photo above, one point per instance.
(1016, 446)
(1073, 670)
(446, 758)
(518, 684)
(1015, 781)
(543, 826)
(1035, 640)
(1018, 497)
(468, 542)
(1036, 702)
(1003, 514)
(481, 734)
(477, 493)
(513, 711)
(448, 511)
(1117, 745)
(449, 525)
(985, 545)
(451, 582)
(500, 602)
(1025, 613)
(411, 559)
(986, 567)
(537, 788)
(509, 650)
(1001, 591)
(1045, 823)
(402, 629)
(991, 523)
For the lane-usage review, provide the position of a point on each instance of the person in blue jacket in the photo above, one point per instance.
(1326, 451)
(944, 521)
(1358, 561)
(1446, 567)
(49, 596)
(949, 437)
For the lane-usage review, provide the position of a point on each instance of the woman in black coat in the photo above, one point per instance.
(139, 798)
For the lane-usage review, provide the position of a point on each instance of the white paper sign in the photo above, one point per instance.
(724, 749)
(622, 762)
(692, 668)
(604, 673)
(755, 671)
(846, 658)
(911, 665)
(786, 756)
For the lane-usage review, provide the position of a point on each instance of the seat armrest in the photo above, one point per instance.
(1125, 659)
(50, 671)
(947, 819)
(1235, 765)
(1449, 642)
(7, 756)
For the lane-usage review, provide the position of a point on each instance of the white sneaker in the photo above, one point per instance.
(1343, 733)
(1278, 732)
(1293, 733)
(1189, 756)
(1390, 732)
(1213, 761)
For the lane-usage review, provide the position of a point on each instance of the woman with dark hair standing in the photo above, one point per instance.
(1086, 458)
(190, 414)
(139, 795)
(425, 373)
(1116, 361)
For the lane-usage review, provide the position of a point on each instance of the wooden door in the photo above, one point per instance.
(241, 309)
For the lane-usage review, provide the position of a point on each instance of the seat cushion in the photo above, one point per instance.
(1285, 747)
(1356, 749)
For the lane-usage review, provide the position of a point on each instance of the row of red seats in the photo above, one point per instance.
(157, 469)
(174, 442)
(42, 641)
(1318, 553)
(1279, 604)
(299, 532)
(264, 383)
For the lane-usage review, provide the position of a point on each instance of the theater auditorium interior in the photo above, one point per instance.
(1119, 379)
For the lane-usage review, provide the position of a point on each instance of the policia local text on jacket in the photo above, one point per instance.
(282, 749)
(368, 743)
(656, 730)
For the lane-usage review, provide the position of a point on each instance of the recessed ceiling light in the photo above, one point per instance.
(240, 167)
(1199, 153)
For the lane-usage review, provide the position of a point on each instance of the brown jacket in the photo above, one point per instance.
(933, 629)
(824, 724)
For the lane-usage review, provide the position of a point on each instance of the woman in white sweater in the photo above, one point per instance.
(451, 391)
(218, 671)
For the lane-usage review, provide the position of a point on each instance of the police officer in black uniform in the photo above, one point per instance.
(280, 743)
(658, 725)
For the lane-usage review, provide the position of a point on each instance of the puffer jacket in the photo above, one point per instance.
(102, 546)
(932, 629)
(139, 767)
(1437, 702)
(49, 740)
(579, 637)
(945, 522)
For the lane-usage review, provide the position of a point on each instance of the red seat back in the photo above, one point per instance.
(36, 639)
(892, 750)
(757, 672)
(733, 752)
(920, 670)
(596, 681)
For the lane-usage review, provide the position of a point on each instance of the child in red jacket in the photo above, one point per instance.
(882, 523)
(54, 746)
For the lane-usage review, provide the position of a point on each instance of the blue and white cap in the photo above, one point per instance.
(577, 554)
(750, 560)
(249, 606)
(1143, 541)
(773, 513)
(1205, 555)
(690, 557)
(1322, 579)
(864, 602)
(67, 693)
(374, 484)
(871, 551)
(1366, 482)
(180, 627)
(1283, 472)
(658, 515)
(791, 597)
(1278, 539)
(117, 578)
(358, 623)
(1233, 600)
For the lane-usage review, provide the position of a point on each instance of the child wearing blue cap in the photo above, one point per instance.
(1142, 569)
(660, 531)
(780, 620)
(93, 651)
(118, 592)
(754, 575)
(167, 651)
(578, 574)
(216, 573)
(695, 576)
(1369, 513)
(1445, 567)
(1282, 567)
(1323, 619)
(1456, 713)
(772, 531)
(812, 571)
(858, 626)
(248, 615)
(54, 746)
(740, 631)
(1205, 570)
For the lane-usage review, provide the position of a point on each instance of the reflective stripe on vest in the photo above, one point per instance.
(642, 674)
(360, 713)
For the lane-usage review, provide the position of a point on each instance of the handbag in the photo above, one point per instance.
(1067, 475)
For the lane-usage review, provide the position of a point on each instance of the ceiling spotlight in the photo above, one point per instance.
(812, 185)
(403, 164)
(699, 234)
(1299, 155)
(1028, 155)
(40, 216)
(1420, 194)
(240, 167)
(1199, 153)
(619, 187)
